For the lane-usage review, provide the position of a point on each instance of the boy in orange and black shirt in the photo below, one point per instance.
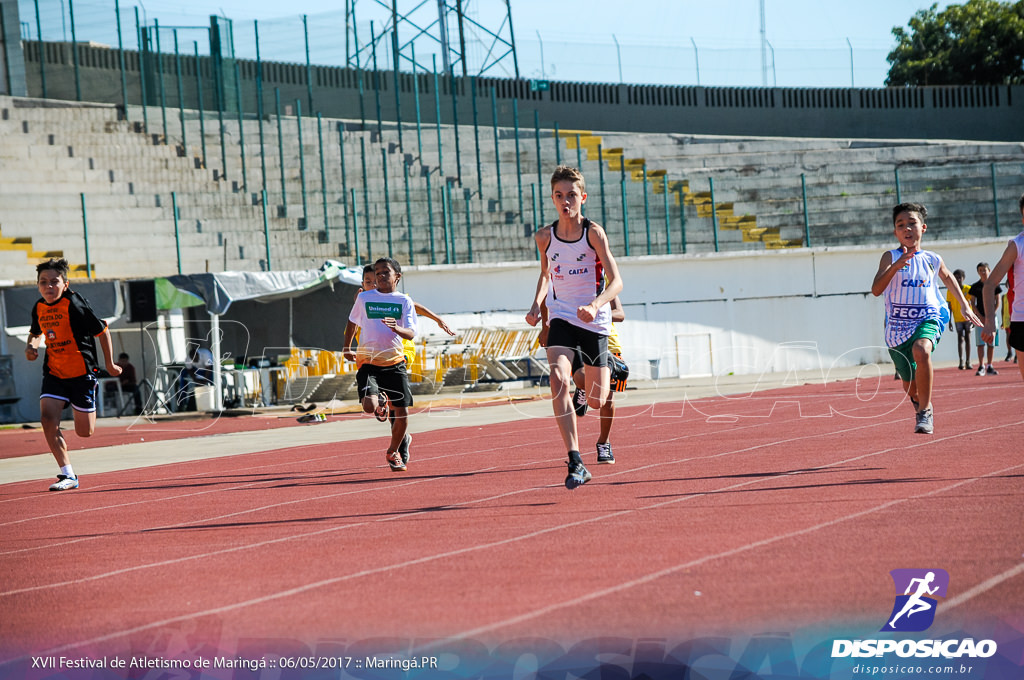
(71, 328)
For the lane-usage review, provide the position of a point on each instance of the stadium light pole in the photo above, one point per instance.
(696, 58)
(618, 55)
(542, 74)
(764, 51)
(850, 45)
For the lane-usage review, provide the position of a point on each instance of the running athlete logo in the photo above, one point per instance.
(914, 609)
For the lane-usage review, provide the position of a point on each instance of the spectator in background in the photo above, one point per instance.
(198, 370)
(958, 323)
(985, 347)
(129, 381)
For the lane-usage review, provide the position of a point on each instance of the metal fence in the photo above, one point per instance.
(339, 38)
(452, 171)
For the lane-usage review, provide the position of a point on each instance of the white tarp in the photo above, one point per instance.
(219, 290)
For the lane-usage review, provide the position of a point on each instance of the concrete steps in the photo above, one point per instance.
(51, 155)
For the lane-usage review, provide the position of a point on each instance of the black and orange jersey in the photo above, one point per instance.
(69, 327)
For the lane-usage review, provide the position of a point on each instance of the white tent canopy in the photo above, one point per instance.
(219, 290)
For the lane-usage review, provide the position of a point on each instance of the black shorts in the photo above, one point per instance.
(391, 380)
(591, 347)
(80, 391)
(619, 373)
(1017, 335)
(619, 369)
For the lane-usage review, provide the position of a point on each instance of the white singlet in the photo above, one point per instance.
(577, 277)
(1015, 284)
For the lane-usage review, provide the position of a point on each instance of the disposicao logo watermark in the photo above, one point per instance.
(914, 611)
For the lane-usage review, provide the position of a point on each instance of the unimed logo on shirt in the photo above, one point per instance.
(383, 310)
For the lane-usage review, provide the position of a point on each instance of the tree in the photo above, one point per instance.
(978, 43)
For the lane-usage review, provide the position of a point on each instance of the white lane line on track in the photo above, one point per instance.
(504, 447)
(545, 610)
(234, 472)
(390, 485)
(647, 578)
(50, 545)
(981, 588)
(247, 485)
(292, 463)
(237, 548)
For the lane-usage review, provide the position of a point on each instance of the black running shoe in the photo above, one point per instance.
(605, 455)
(578, 475)
(579, 402)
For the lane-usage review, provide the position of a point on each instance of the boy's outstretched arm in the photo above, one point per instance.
(423, 311)
(613, 285)
(617, 313)
(400, 331)
(611, 268)
(954, 287)
(108, 353)
(350, 332)
(989, 295)
(543, 238)
(32, 348)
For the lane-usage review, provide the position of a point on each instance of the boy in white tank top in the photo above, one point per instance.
(578, 280)
(1012, 263)
(915, 313)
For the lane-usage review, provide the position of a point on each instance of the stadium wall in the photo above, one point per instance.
(715, 314)
(992, 113)
(801, 312)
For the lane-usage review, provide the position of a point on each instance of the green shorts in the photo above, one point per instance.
(903, 355)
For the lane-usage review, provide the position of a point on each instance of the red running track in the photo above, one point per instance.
(756, 513)
(135, 429)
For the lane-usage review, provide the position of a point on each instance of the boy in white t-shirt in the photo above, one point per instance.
(1011, 263)
(915, 313)
(384, 318)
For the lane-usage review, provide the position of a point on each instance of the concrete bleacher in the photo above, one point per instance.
(53, 153)
(850, 184)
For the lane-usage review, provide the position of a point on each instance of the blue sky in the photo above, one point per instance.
(682, 42)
